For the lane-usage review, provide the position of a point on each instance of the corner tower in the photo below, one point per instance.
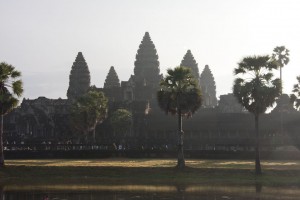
(208, 88)
(146, 65)
(79, 78)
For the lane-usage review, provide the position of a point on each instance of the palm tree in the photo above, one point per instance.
(179, 95)
(256, 89)
(295, 97)
(281, 55)
(11, 87)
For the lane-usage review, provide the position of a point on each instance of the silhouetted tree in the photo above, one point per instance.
(87, 112)
(121, 121)
(281, 55)
(256, 89)
(11, 87)
(179, 95)
(295, 97)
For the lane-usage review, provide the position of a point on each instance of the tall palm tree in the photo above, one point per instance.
(281, 55)
(256, 89)
(11, 87)
(179, 95)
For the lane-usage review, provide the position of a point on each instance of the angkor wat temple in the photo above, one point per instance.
(218, 124)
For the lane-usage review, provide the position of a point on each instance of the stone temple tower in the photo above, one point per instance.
(189, 61)
(146, 65)
(112, 87)
(79, 78)
(208, 88)
(112, 79)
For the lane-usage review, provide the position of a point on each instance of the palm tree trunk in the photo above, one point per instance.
(257, 148)
(94, 135)
(1, 142)
(280, 80)
(180, 162)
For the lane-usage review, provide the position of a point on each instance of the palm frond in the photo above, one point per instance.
(17, 87)
(259, 92)
(179, 91)
(9, 87)
(15, 74)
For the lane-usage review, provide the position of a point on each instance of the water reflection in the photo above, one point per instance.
(258, 187)
(1, 192)
(124, 192)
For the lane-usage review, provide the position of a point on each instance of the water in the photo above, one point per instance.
(132, 192)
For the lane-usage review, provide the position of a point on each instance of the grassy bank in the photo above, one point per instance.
(149, 171)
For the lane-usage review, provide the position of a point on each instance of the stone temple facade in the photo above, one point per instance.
(216, 124)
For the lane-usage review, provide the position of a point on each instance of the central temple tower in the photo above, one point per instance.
(145, 81)
(146, 65)
(190, 62)
(80, 78)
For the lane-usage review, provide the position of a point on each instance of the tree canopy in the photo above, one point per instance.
(255, 86)
(179, 91)
(121, 121)
(11, 87)
(87, 112)
(281, 56)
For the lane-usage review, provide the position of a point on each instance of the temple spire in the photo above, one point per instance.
(190, 62)
(208, 88)
(79, 78)
(146, 68)
(112, 79)
(79, 57)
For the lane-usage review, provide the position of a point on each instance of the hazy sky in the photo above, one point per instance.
(41, 38)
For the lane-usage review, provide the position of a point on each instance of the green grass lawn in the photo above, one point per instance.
(150, 171)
